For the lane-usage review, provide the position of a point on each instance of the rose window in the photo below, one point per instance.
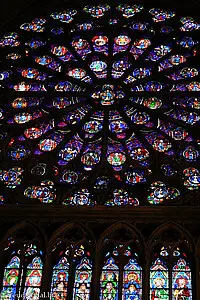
(100, 106)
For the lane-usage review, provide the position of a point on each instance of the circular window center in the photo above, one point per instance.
(107, 94)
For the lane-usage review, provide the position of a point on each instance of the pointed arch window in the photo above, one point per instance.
(60, 279)
(132, 280)
(159, 280)
(22, 275)
(170, 274)
(33, 279)
(10, 278)
(121, 276)
(121, 272)
(74, 262)
(109, 280)
(82, 282)
(181, 280)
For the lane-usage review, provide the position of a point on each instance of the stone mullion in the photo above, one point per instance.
(21, 278)
(46, 277)
(96, 276)
(72, 271)
(146, 276)
(120, 282)
(196, 279)
(172, 262)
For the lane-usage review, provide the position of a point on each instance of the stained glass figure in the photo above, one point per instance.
(82, 283)
(100, 43)
(192, 178)
(80, 198)
(10, 279)
(66, 16)
(60, 279)
(23, 274)
(33, 279)
(160, 15)
(181, 281)
(12, 177)
(132, 281)
(109, 98)
(97, 11)
(159, 281)
(45, 192)
(160, 193)
(109, 280)
(122, 198)
(129, 11)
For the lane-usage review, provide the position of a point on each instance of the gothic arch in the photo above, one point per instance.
(120, 251)
(22, 258)
(184, 234)
(21, 226)
(119, 226)
(70, 249)
(171, 261)
(62, 231)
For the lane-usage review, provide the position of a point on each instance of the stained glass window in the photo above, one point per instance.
(23, 273)
(60, 279)
(121, 275)
(74, 263)
(159, 280)
(82, 283)
(132, 281)
(109, 280)
(181, 277)
(170, 275)
(101, 99)
(10, 279)
(33, 279)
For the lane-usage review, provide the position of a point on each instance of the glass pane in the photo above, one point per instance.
(82, 282)
(33, 279)
(159, 281)
(181, 281)
(60, 280)
(10, 279)
(132, 281)
(109, 281)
